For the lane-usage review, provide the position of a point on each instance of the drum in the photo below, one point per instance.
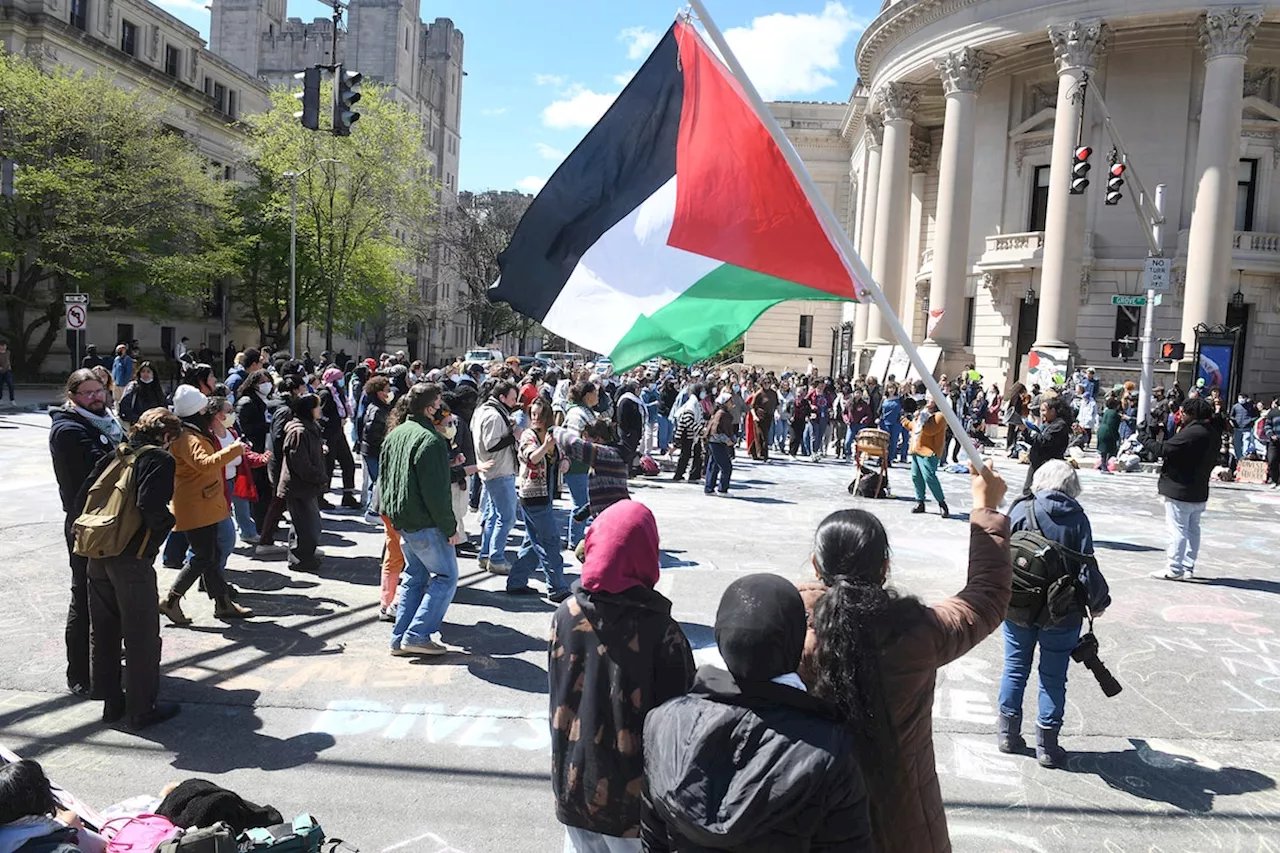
(873, 442)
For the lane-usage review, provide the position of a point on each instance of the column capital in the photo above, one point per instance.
(921, 151)
(1077, 44)
(1228, 32)
(898, 101)
(875, 127)
(963, 70)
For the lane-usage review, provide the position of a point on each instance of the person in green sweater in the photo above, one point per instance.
(1109, 433)
(413, 485)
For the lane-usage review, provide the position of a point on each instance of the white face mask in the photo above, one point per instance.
(264, 388)
(146, 380)
(449, 431)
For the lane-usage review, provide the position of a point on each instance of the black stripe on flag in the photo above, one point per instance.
(623, 160)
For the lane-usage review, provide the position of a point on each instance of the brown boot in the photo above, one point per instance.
(225, 608)
(171, 606)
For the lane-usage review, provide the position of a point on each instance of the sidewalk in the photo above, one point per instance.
(34, 398)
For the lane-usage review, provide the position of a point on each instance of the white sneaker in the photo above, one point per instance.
(269, 550)
(1171, 575)
(425, 647)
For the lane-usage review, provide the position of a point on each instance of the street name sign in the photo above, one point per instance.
(1131, 301)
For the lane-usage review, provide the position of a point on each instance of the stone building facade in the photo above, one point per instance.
(988, 96)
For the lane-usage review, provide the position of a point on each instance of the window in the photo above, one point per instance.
(1127, 322)
(80, 14)
(220, 97)
(970, 318)
(208, 86)
(172, 57)
(228, 173)
(406, 38)
(129, 38)
(1246, 194)
(806, 331)
(1039, 199)
(124, 333)
(232, 98)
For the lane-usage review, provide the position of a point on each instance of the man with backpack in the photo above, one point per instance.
(1055, 577)
(123, 519)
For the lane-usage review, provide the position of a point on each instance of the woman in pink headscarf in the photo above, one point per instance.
(616, 653)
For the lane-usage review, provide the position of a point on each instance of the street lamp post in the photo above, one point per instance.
(293, 251)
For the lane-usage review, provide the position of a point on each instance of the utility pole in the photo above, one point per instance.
(292, 177)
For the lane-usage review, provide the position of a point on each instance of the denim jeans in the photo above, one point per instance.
(899, 441)
(924, 471)
(719, 466)
(6, 381)
(541, 549)
(226, 543)
(370, 477)
(1055, 657)
(1183, 520)
(778, 435)
(665, 431)
(427, 585)
(175, 549)
(498, 516)
(585, 841)
(242, 511)
(850, 439)
(578, 486)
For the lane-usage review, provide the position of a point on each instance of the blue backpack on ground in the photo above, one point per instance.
(303, 835)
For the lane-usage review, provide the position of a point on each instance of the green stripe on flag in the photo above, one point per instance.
(713, 312)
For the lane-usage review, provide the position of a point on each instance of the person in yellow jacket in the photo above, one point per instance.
(928, 433)
(200, 504)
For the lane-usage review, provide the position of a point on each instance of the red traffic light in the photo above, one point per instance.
(1084, 152)
(1117, 170)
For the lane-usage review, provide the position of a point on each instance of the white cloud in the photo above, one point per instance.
(639, 41)
(548, 80)
(531, 184)
(790, 55)
(193, 5)
(578, 107)
(493, 111)
(547, 152)
(624, 78)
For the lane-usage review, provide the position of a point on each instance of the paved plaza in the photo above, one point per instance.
(302, 707)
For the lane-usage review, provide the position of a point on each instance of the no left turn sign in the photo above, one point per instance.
(77, 316)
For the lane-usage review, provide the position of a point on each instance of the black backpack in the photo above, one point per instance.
(1046, 577)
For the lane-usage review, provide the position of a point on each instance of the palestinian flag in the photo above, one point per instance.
(673, 225)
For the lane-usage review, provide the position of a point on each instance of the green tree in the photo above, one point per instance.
(361, 222)
(109, 202)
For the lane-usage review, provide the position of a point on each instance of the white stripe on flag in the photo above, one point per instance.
(629, 271)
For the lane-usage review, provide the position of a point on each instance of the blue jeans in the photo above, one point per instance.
(665, 431)
(242, 513)
(226, 543)
(498, 515)
(427, 584)
(850, 439)
(899, 441)
(6, 381)
(474, 491)
(719, 465)
(371, 477)
(1055, 656)
(541, 549)
(578, 486)
(175, 549)
(778, 435)
(924, 471)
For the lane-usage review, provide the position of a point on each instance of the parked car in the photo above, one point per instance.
(482, 357)
(527, 361)
(559, 359)
(604, 366)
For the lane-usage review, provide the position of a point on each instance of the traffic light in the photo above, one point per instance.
(1124, 349)
(310, 98)
(1115, 180)
(1173, 350)
(346, 93)
(1080, 170)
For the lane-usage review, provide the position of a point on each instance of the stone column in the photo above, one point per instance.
(874, 141)
(1225, 36)
(1076, 46)
(962, 74)
(898, 102)
(909, 302)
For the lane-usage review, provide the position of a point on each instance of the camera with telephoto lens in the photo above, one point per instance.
(1086, 652)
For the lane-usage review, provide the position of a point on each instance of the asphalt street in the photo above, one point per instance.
(302, 706)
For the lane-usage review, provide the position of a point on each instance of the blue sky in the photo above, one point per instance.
(540, 72)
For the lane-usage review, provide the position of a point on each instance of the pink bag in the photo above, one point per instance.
(138, 834)
(649, 467)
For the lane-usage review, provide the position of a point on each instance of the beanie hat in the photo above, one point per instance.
(188, 401)
(760, 627)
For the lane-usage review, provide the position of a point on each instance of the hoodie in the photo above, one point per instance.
(756, 766)
(615, 654)
(1062, 519)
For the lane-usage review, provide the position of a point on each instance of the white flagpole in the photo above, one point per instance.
(835, 232)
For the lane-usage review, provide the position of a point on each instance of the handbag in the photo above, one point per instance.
(138, 834)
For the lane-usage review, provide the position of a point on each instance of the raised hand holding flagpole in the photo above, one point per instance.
(863, 282)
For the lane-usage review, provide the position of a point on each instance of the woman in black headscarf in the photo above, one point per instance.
(748, 759)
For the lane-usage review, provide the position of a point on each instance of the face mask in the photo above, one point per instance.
(449, 431)
(264, 388)
(228, 421)
(340, 383)
(702, 396)
(146, 380)
(737, 388)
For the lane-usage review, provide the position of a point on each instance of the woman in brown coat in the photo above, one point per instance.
(876, 654)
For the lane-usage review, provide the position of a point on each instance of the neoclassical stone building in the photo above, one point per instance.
(961, 133)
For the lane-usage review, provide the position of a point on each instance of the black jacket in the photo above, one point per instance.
(253, 420)
(1049, 443)
(1190, 455)
(330, 420)
(280, 417)
(374, 428)
(138, 397)
(612, 659)
(153, 475)
(76, 446)
(758, 769)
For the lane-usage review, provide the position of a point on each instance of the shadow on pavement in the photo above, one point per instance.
(513, 673)
(1178, 780)
(486, 638)
(264, 580)
(1254, 584)
(751, 500)
(666, 560)
(499, 599)
(362, 571)
(1124, 546)
(279, 604)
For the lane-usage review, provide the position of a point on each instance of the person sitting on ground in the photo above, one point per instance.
(748, 759)
(876, 655)
(615, 653)
(31, 818)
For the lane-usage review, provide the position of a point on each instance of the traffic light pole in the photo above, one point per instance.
(293, 251)
(1147, 382)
